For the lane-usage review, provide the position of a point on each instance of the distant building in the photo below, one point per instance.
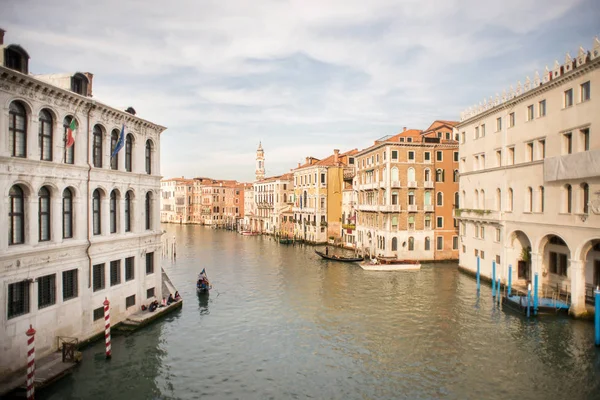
(272, 197)
(79, 226)
(407, 187)
(530, 181)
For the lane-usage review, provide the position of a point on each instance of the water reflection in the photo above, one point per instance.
(282, 323)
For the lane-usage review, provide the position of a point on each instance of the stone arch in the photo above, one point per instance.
(26, 103)
(25, 186)
(589, 254)
(518, 254)
(554, 254)
(101, 189)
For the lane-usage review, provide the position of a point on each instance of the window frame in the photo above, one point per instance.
(44, 215)
(16, 216)
(46, 291)
(97, 146)
(70, 284)
(45, 132)
(18, 303)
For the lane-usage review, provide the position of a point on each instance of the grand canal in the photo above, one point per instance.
(281, 323)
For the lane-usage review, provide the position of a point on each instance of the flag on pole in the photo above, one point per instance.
(71, 133)
(120, 142)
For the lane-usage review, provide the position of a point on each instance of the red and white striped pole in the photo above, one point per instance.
(107, 327)
(30, 362)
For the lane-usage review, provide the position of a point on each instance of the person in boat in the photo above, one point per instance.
(170, 299)
(326, 250)
(177, 296)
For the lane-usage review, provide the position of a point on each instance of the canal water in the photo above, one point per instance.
(280, 323)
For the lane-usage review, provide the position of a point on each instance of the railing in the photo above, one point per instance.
(390, 208)
(396, 184)
(68, 346)
(412, 208)
(428, 207)
(348, 226)
(476, 214)
(368, 207)
(428, 184)
(412, 184)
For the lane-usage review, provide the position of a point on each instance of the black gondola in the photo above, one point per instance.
(338, 258)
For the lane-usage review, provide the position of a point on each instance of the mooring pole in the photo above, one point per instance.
(597, 315)
(478, 273)
(494, 278)
(509, 279)
(498, 289)
(528, 300)
(107, 328)
(30, 363)
(535, 294)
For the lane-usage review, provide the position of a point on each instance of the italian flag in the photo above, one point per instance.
(71, 133)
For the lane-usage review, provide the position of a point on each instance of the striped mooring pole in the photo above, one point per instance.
(107, 327)
(30, 362)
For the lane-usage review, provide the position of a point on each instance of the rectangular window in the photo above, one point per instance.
(46, 290)
(394, 154)
(150, 293)
(18, 299)
(454, 242)
(585, 91)
(149, 263)
(439, 156)
(322, 179)
(497, 260)
(98, 277)
(482, 255)
(498, 124)
(130, 301)
(568, 143)
(568, 98)
(511, 119)
(482, 232)
(542, 148)
(497, 234)
(411, 156)
(499, 158)
(476, 136)
(98, 313)
(464, 249)
(439, 223)
(462, 137)
(427, 156)
(70, 284)
(542, 108)
(482, 130)
(529, 151)
(511, 156)
(456, 156)
(476, 252)
(115, 272)
(530, 112)
(585, 139)
(440, 242)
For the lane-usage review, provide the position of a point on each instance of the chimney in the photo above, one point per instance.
(90, 77)
(298, 165)
(336, 156)
(307, 159)
(404, 129)
(2, 36)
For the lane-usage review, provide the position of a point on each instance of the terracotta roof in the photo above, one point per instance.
(440, 123)
(342, 159)
(408, 132)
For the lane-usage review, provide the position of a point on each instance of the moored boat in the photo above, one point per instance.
(249, 233)
(285, 240)
(203, 284)
(335, 257)
(378, 264)
(546, 306)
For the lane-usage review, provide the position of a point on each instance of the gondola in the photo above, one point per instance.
(338, 258)
(202, 284)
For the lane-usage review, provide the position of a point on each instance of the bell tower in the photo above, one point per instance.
(260, 162)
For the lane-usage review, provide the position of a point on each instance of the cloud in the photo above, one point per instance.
(301, 75)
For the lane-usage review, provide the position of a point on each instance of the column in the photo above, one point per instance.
(105, 215)
(56, 228)
(121, 214)
(32, 233)
(577, 274)
(536, 267)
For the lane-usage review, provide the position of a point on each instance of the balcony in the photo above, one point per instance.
(428, 208)
(390, 208)
(381, 184)
(428, 184)
(412, 208)
(368, 207)
(412, 184)
(483, 215)
(395, 184)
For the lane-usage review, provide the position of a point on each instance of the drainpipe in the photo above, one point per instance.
(89, 241)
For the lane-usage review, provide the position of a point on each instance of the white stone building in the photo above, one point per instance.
(530, 180)
(79, 226)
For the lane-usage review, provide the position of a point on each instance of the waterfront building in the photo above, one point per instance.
(176, 205)
(530, 180)
(250, 210)
(222, 202)
(80, 226)
(272, 196)
(318, 186)
(349, 207)
(407, 186)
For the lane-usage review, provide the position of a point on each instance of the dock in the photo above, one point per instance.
(48, 370)
(141, 318)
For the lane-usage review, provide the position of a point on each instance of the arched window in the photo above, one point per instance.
(67, 210)
(69, 147)
(45, 135)
(44, 214)
(411, 174)
(148, 211)
(128, 152)
(541, 199)
(97, 146)
(411, 243)
(509, 206)
(439, 175)
(113, 211)
(148, 157)
(394, 222)
(427, 221)
(304, 200)
(476, 199)
(96, 211)
(455, 176)
(585, 195)
(394, 198)
(15, 57)
(394, 244)
(456, 200)
(395, 176)
(411, 198)
(114, 140)
(17, 130)
(440, 199)
(427, 243)
(411, 222)
(464, 198)
(427, 198)
(482, 199)
(16, 216)
(568, 198)
(128, 211)
(529, 199)
(498, 200)
(427, 175)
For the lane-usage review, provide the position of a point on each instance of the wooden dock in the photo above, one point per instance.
(48, 369)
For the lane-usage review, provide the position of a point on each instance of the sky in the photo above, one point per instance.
(303, 77)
